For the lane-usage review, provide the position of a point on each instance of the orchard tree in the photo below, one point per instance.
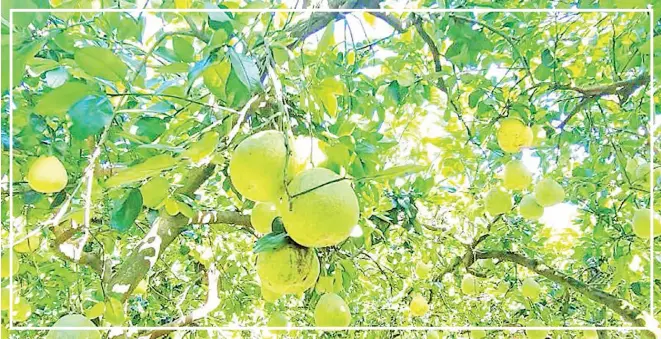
(328, 169)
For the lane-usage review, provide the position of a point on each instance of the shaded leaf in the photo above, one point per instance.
(126, 211)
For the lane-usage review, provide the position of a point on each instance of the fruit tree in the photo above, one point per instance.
(238, 165)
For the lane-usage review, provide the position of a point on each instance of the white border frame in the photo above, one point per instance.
(651, 129)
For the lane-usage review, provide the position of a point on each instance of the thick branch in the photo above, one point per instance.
(211, 304)
(222, 217)
(317, 21)
(623, 87)
(161, 234)
(619, 306)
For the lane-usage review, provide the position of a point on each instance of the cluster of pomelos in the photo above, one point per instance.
(316, 206)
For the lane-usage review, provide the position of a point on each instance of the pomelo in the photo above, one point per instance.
(640, 223)
(469, 284)
(323, 209)
(262, 216)
(418, 306)
(257, 166)
(548, 193)
(497, 202)
(47, 175)
(513, 135)
(73, 320)
(529, 208)
(331, 311)
(516, 176)
(291, 269)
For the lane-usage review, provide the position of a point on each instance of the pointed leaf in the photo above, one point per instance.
(144, 170)
(90, 115)
(126, 211)
(245, 69)
(101, 62)
(59, 100)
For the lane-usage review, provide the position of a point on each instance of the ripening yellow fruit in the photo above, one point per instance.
(497, 201)
(73, 320)
(257, 166)
(419, 306)
(641, 223)
(548, 193)
(4, 299)
(538, 135)
(15, 265)
(270, 296)
(324, 208)
(536, 334)
(47, 175)
(469, 284)
(516, 176)
(478, 334)
(262, 217)
(422, 269)
(531, 289)
(307, 154)
(351, 57)
(277, 319)
(331, 311)
(28, 245)
(529, 208)
(513, 135)
(590, 334)
(291, 269)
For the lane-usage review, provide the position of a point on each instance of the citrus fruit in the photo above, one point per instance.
(4, 299)
(531, 289)
(529, 208)
(269, 295)
(513, 135)
(323, 208)
(47, 175)
(419, 306)
(15, 265)
(263, 214)
(536, 334)
(257, 166)
(154, 192)
(497, 201)
(641, 223)
(277, 319)
(478, 334)
(423, 269)
(548, 193)
(73, 320)
(516, 176)
(469, 284)
(290, 269)
(590, 334)
(331, 311)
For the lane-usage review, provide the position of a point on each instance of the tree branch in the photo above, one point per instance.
(211, 304)
(620, 306)
(161, 234)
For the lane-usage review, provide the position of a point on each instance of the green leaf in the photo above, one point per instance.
(475, 97)
(58, 101)
(174, 68)
(398, 171)
(144, 170)
(183, 49)
(246, 70)
(547, 58)
(126, 211)
(101, 62)
(270, 242)
(90, 115)
(202, 148)
(327, 39)
(215, 77)
(41, 65)
(150, 127)
(154, 191)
